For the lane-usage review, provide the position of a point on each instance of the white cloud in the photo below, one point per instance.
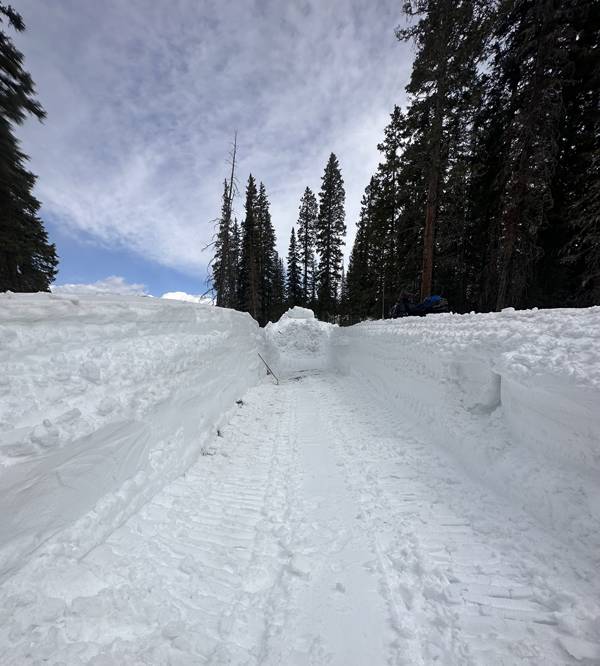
(112, 285)
(188, 298)
(143, 99)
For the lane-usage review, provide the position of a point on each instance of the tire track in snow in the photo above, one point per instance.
(336, 616)
(472, 584)
(321, 530)
(188, 579)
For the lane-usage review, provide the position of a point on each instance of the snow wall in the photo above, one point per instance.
(514, 395)
(103, 400)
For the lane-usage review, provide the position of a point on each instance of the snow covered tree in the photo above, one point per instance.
(27, 261)
(294, 277)
(330, 232)
(307, 220)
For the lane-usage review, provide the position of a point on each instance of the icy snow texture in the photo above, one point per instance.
(515, 395)
(103, 400)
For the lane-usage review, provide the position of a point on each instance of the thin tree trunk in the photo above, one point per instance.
(12, 270)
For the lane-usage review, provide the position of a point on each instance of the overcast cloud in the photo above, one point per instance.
(143, 99)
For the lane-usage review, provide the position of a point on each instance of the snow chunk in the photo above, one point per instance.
(580, 648)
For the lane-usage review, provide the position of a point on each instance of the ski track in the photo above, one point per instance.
(322, 531)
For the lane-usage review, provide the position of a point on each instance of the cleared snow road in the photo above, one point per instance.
(322, 530)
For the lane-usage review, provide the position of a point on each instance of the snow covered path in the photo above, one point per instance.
(322, 531)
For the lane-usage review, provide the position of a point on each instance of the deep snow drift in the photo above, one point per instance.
(516, 395)
(324, 496)
(103, 400)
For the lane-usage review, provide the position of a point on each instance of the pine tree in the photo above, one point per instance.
(249, 276)
(27, 261)
(223, 278)
(530, 71)
(279, 305)
(330, 231)
(572, 240)
(267, 259)
(307, 220)
(294, 278)
(450, 39)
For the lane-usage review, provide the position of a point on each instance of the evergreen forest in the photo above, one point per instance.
(488, 188)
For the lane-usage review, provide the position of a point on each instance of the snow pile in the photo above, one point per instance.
(103, 400)
(298, 342)
(516, 395)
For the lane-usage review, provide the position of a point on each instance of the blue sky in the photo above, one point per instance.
(143, 100)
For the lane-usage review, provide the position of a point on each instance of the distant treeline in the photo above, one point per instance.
(247, 273)
(488, 191)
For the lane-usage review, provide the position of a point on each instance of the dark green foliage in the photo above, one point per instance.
(500, 149)
(279, 305)
(224, 277)
(307, 220)
(27, 261)
(261, 284)
(294, 276)
(529, 74)
(449, 39)
(271, 280)
(330, 231)
(573, 267)
(249, 295)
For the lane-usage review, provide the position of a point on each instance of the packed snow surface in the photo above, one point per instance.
(422, 491)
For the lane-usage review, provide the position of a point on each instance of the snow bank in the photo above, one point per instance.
(516, 395)
(103, 400)
(298, 342)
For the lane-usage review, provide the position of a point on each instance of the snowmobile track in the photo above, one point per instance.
(322, 532)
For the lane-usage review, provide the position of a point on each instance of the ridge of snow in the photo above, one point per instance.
(103, 400)
(514, 395)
